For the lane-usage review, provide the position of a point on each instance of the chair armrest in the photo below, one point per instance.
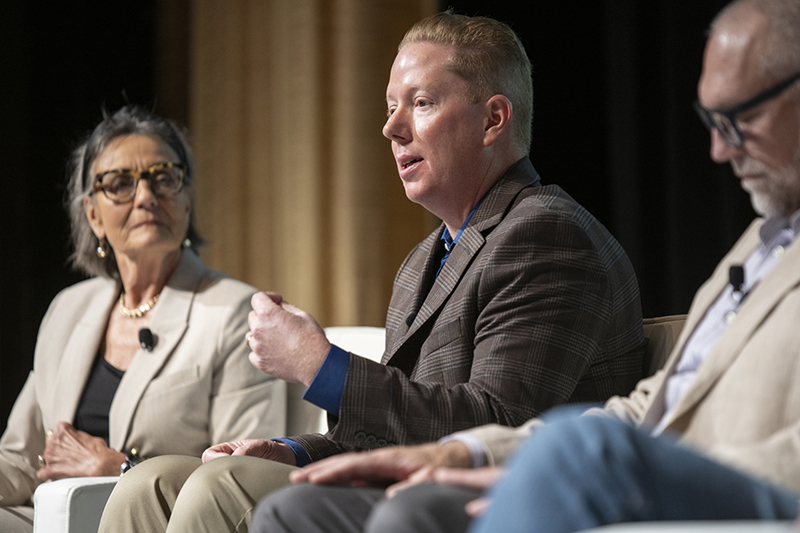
(662, 335)
(72, 505)
(365, 341)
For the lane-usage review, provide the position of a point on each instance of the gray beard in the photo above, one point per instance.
(776, 195)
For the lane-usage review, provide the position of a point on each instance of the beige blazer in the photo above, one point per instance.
(196, 388)
(743, 407)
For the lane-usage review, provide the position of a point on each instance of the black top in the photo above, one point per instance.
(92, 414)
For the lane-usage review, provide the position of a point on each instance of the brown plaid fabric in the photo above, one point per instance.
(537, 305)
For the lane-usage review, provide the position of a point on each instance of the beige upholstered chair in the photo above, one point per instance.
(662, 334)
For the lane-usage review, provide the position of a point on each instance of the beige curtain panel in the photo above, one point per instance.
(297, 189)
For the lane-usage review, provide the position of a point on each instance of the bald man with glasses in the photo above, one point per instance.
(724, 120)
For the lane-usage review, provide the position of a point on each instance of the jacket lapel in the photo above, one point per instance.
(783, 278)
(168, 324)
(770, 291)
(469, 244)
(704, 299)
(706, 296)
(80, 352)
(491, 212)
(416, 274)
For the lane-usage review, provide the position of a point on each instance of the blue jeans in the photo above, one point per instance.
(579, 473)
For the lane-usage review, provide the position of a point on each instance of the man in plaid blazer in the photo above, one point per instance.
(714, 434)
(536, 306)
(519, 301)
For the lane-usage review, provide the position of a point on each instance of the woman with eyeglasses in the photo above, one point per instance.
(148, 357)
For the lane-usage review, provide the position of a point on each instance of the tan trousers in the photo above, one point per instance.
(175, 493)
(16, 519)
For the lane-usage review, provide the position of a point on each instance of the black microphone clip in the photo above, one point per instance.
(146, 339)
(736, 277)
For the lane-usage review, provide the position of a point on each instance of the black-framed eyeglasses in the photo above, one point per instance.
(119, 185)
(724, 121)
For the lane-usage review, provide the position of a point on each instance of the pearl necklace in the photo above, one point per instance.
(137, 312)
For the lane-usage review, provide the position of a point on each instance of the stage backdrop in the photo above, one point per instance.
(297, 191)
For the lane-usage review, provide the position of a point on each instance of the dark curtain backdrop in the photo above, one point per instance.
(613, 126)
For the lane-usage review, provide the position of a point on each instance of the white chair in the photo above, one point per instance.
(361, 340)
(72, 505)
(733, 526)
(75, 505)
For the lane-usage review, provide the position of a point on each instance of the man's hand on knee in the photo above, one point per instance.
(265, 449)
(478, 478)
(384, 466)
(471, 478)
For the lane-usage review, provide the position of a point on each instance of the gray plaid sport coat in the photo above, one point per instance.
(537, 305)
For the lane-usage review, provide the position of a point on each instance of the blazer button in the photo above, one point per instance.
(381, 443)
(371, 440)
(360, 437)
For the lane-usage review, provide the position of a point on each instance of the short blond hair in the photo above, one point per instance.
(489, 56)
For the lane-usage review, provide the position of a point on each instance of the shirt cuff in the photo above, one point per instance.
(477, 449)
(327, 387)
(300, 455)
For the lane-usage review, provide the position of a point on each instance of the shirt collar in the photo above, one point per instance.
(776, 224)
(450, 241)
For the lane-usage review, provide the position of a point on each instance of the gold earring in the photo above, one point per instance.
(101, 252)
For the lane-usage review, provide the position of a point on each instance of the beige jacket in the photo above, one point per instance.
(196, 388)
(743, 407)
